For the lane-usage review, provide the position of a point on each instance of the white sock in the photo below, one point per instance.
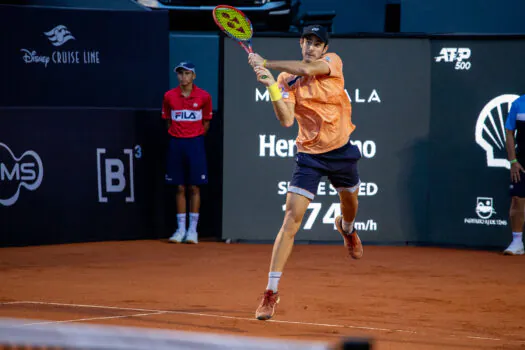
(273, 280)
(194, 220)
(348, 226)
(181, 222)
(517, 236)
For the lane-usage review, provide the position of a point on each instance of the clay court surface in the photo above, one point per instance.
(403, 297)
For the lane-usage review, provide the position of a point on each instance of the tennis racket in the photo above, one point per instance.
(236, 25)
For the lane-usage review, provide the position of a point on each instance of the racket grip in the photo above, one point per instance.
(244, 47)
(264, 77)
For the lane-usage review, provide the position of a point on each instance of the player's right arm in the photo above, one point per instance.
(510, 127)
(298, 68)
(284, 111)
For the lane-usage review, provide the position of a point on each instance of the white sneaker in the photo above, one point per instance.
(178, 236)
(515, 248)
(191, 237)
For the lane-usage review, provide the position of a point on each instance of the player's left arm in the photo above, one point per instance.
(300, 68)
(284, 111)
(207, 113)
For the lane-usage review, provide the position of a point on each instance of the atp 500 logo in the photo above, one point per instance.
(458, 55)
(16, 172)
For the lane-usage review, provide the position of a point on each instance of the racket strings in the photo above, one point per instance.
(234, 24)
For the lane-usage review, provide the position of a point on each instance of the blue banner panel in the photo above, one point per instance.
(64, 57)
(474, 83)
(75, 175)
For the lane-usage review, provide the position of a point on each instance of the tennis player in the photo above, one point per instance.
(516, 155)
(312, 91)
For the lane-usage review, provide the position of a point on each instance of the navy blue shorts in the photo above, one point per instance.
(518, 189)
(186, 161)
(339, 165)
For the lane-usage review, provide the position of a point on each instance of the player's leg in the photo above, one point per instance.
(300, 192)
(345, 222)
(344, 176)
(175, 177)
(180, 202)
(517, 219)
(348, 197)
(195, 203)
(198, 175)
(296, 206)
(195, 199)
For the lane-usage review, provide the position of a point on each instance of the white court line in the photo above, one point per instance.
(212, 315)
(482, 338)
(91, 319)
(148, 312)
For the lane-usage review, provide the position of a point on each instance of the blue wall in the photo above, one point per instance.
(463, 16)
(351, 15)
(203, 51)
(429, 16)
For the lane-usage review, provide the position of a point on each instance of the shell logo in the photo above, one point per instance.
(490, 130)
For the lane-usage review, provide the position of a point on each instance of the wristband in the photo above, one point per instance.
(513, 161)
(275, 93)
(264, 63)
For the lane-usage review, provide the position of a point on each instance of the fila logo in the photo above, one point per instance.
(186, 115)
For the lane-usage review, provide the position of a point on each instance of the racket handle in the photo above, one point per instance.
(264, 77)
(244, 47)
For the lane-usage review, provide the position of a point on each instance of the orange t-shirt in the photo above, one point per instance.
(322, 108)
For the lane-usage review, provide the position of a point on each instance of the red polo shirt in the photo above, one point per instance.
(187, 113)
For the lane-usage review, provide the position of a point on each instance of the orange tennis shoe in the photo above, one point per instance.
(266, 308)
(352, 241)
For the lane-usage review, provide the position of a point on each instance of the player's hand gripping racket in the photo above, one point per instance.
(236, 25)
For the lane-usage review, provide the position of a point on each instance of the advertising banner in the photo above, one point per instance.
(63, 179)
(388, 83)
(87, 58)
(474, 83)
